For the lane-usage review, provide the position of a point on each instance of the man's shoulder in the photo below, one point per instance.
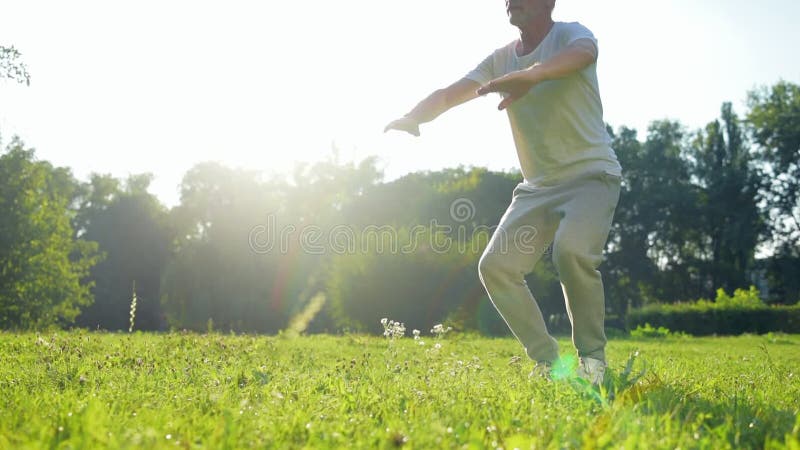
(571, 25)
(573, 28)
(504, 52)
(509, 47)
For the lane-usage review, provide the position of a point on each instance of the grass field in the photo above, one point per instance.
(90, 390)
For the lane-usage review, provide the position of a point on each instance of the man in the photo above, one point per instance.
(571, 178)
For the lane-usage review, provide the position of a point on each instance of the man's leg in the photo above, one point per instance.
(523, 235)
(586, 217)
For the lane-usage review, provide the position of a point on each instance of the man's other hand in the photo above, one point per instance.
(515, 85)
(406, 124)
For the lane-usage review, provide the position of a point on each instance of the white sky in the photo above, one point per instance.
(157, 86)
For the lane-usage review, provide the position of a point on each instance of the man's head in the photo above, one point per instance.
(524, 12)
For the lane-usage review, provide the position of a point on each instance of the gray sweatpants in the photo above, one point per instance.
(575, 217)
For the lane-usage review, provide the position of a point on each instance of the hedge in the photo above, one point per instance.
(700, 320)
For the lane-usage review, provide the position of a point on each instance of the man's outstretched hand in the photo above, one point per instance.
(515, 84)
(406, 124)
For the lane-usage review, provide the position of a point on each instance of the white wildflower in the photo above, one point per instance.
(133, 309)
(439, 330)
(392, 329)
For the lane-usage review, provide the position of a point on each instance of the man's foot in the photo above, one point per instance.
(542, 369)
(592, 370)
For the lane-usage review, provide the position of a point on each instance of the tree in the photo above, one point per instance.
(43, 268)
(12, 67)
(730, 219)
(774, 122)
(457, 207)
(93, 198)
(630, 273)
(215, 274)
(652, 250)
(130, 225)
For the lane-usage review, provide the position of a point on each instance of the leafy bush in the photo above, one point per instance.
(741, 299)
(648, 331)
(744, 312)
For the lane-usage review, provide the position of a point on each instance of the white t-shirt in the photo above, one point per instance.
(558, 126)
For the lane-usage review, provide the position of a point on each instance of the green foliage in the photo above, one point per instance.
(775, 119)
(243, 257)
(648, 331)
(729, 221)
(744, 312)
(689, 214)
(781, 274)
(433, 272)
(693, 208)
(774, 123)
(43, 268)
(101, 390)
(742, 298)
(415, 283)
(214, 273)
(653, 244)
(12, 67)
(131, 228)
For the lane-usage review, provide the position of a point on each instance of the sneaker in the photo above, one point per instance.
(542, 369)
(592, 370)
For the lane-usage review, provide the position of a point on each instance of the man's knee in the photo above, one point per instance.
(492, 266)
(486, 267)
(569, 258)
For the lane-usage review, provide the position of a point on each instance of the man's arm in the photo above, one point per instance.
(575, 57)
(434, 105)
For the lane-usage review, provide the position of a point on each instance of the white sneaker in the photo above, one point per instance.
(592, 370)
(542, 369)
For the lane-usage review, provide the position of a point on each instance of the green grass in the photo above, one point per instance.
(90, 390)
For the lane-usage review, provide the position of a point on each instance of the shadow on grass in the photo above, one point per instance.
(730, 416)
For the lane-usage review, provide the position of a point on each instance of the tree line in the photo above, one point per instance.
(334, 244)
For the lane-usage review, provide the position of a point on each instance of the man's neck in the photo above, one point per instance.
(533, 33)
